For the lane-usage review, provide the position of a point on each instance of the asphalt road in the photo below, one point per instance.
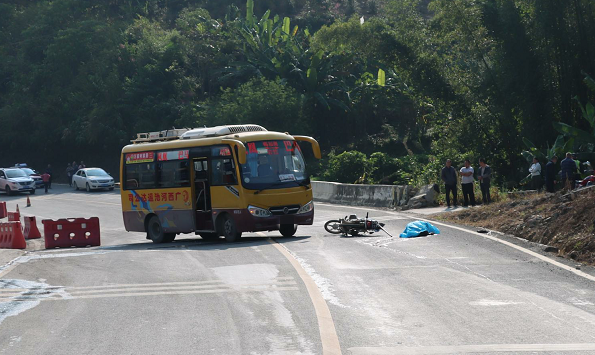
(454, 293)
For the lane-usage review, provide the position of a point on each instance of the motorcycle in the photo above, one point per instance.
(352, 225)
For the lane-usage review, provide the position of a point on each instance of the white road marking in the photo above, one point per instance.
(41, 292)
(326, 326)
(488, 303)
(466, 349)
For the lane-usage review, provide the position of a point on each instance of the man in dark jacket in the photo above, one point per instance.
(550, 175)
(49, 172)
(484, 176)
(449, 176)
(568, 167)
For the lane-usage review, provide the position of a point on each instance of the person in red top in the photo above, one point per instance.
(46, 181)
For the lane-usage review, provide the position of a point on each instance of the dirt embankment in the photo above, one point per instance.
(564, 221)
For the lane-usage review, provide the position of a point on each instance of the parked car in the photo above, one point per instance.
(14, 180)
(35, 176)
(92, 179)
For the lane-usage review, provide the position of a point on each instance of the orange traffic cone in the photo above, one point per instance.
(28, 202)
(19, 212)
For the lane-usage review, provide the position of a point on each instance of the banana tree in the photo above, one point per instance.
(585, 138)
(275, 50)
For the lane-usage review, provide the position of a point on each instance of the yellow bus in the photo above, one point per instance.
(217, 181)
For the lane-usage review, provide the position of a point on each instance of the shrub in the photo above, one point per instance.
(347, 167)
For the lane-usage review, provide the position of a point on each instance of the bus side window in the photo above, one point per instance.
(173, 174)
(224, 172)
(132, 177)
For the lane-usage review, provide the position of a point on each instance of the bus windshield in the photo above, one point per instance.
(273, 164)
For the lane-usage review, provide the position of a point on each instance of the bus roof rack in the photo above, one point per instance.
(195, 133)
(218, 131)
(166, 135)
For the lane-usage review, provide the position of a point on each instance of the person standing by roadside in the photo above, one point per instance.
(550, 175)
(49, 172)
(449, 176)
(82, 165)
(75, 168)
(47, 178)
(568, 167)
(484, 177)
(467, 183)
(69, 173)
(535, 171)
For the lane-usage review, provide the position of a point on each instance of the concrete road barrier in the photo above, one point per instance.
(11, 236)
(3, 211)
(365, 195)
(71, 232)
(31, 231)
(14, 216)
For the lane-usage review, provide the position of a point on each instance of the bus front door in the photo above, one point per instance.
(202, 196)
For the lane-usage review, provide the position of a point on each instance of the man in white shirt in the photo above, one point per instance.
(535, 171)
(467, 183)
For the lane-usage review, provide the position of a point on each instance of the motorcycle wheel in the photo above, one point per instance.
(333, 226)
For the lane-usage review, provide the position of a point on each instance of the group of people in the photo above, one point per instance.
(569, 171)
(449, 177)
(71, 169)
(569, 168)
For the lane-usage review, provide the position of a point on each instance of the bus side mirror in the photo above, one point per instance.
(313, 142)
(239, 146)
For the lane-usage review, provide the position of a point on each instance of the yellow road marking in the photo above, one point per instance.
(326, 326)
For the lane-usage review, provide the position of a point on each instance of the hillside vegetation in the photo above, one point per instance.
(413, 81)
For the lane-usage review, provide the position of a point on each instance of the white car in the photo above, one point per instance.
(16, 180)
(92, 179)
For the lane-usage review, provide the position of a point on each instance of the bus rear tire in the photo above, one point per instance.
(155, 232)
(229, 230)
(288, 230)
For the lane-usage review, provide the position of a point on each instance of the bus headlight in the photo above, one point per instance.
(308, 207)
(258, 212)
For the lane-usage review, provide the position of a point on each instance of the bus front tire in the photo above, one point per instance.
(229, 230)
(288, 230)
(155, 232)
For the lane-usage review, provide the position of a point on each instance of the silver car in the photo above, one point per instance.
(92, 179)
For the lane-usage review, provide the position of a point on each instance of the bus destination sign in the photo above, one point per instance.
(173, 155)
(143, 157)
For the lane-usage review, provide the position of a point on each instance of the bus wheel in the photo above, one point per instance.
(209, 236)
(155, 231)
(288, 230)
(169, 237)
(230, 232)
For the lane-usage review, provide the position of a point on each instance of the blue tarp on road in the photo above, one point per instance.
(414, 229)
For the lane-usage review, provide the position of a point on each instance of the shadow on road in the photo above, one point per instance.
(201, 244)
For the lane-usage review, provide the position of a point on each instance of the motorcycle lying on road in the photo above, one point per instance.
(352, 225)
